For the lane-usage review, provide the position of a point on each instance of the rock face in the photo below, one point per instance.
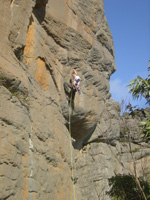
(42, 41)
(116, 152)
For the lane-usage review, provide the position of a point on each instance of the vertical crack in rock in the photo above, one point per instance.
(31, 189)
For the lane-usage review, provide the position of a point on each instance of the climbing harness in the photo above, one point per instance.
(72, 170)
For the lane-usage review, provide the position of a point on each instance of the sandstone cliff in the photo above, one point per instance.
(41, 42)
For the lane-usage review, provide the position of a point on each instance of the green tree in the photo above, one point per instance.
(124, 187)
(140, 87)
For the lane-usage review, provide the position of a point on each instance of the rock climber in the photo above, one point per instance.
(76, 82)
(73, 85)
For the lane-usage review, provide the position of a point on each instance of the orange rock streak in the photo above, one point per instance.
(42, 74)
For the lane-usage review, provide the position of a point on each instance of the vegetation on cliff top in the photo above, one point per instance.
(140, 87)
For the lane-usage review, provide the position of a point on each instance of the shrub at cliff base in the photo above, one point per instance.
(124, 187)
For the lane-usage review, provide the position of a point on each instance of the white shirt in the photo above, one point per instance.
(77, 80)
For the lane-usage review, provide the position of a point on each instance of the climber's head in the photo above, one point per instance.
(74, 73)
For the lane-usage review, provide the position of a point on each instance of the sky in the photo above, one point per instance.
(129, 22)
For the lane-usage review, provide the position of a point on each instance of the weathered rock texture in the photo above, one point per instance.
(41, 42)
(116, 152)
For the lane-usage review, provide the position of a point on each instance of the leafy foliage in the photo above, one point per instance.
(146, 128)
(140, 87)
(124, 187)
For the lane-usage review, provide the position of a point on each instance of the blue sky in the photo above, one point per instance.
(129, 22)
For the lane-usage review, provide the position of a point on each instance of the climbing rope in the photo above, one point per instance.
(72, 170)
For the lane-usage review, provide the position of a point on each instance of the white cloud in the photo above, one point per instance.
(119, 91)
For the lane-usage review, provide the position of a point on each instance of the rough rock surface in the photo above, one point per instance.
(111, 153)
(42, 41)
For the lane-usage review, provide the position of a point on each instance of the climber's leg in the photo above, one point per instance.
(73, 94)
(67, 88)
